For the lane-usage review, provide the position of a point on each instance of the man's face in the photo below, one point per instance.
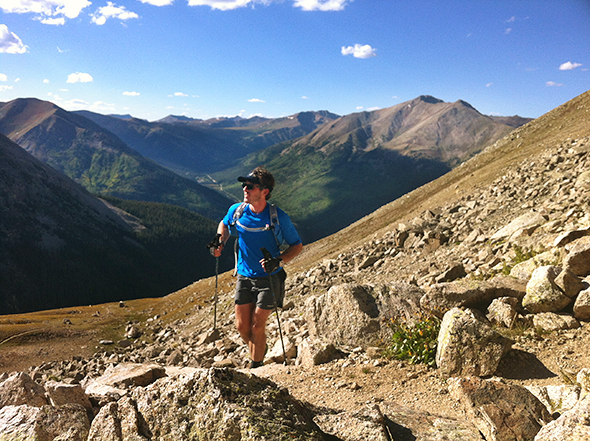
(252, 192)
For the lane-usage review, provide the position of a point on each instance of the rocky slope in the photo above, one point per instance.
(500, 251)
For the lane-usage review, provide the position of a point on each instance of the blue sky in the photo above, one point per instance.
(210, 58)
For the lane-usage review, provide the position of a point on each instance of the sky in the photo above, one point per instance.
(212, 58)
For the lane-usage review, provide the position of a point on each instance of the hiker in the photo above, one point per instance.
(257, 225)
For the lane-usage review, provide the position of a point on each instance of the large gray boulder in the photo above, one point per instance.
(223, 404)
(502, 412)
(542, 293)
(352, 314)
(467, 345)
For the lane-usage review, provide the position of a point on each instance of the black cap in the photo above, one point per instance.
(250, 178)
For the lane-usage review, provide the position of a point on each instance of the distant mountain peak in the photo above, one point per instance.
(429, 99)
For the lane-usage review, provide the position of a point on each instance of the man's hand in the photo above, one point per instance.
(270, 264)
(215, 246)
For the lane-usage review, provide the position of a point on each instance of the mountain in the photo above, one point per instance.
(194, 147)
(351, 166)
(61, 246)
(98, 159)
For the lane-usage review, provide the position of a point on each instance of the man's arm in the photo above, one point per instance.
(291, 252)
(224, 231)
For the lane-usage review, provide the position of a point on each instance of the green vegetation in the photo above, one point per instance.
(177, 238)
(520, 256)
(416, 341)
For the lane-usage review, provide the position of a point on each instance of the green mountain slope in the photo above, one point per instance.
(195, 147)
(98, 159)
(349, 167)
(61, 246)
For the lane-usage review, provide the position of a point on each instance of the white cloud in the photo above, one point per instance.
(131, 93)
(553, 84)
(489, 84)
(569, 66)
(45, 81)
(9, 42)
(224, 5)
(3, 88)
(80, 77)
(158, 2)
(304, 97)
(511, 19)
(180, 94)
(256, 100)
(359, 51)
(321, 5)
(46, 11)
(507, 31)
(112, 11)
(360, 107)
(3, 77)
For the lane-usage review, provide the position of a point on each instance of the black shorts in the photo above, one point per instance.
(257, 290)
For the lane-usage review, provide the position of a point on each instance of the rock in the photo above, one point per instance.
(550, 321)
(573, 425)
(276, 353)
(542, 294)
(569, 283)
(223, 404)
(502, 311)
(314, 352)
(119, 421)
(557, 398)
(410, 424)
(366, 424)
(578, 256)
(62, 393)
(351, 314)
(442, 297)
(502, 412)
(583, 379)
(18, 389)
(453, 273)
(582, 305)
(527, 223)
(46, 423)
(468, 346)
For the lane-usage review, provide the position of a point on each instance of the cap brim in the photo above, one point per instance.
(252, 179)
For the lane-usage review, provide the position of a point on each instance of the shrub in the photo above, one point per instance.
(415, 341)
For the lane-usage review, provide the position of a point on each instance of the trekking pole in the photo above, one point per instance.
(268, 256)
(212, 246)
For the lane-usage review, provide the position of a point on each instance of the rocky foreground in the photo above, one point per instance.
(503, 267)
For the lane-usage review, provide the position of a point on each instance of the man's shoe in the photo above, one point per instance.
(255, 364)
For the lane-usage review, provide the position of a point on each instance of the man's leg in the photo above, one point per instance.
(258, 336)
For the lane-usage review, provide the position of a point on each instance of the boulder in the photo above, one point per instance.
(550, 321)
(569, 283)
(542, 293)
(470, 293)
(119, 421)
(501, 411)
(366, 424)
(467, 345)
(351, 314)
(578, 256)
(558, 398)
(502, 311)
(526, 223)
(573, 425)
(223, 404)
(19, 388)
(312, 352)
(60, 393)
(46, 423)
(582, 305)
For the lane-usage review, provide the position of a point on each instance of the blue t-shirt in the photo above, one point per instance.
(250, 242)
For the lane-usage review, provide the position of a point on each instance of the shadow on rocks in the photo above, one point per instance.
(522, 365)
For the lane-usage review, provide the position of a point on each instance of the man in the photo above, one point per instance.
(254, 296)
